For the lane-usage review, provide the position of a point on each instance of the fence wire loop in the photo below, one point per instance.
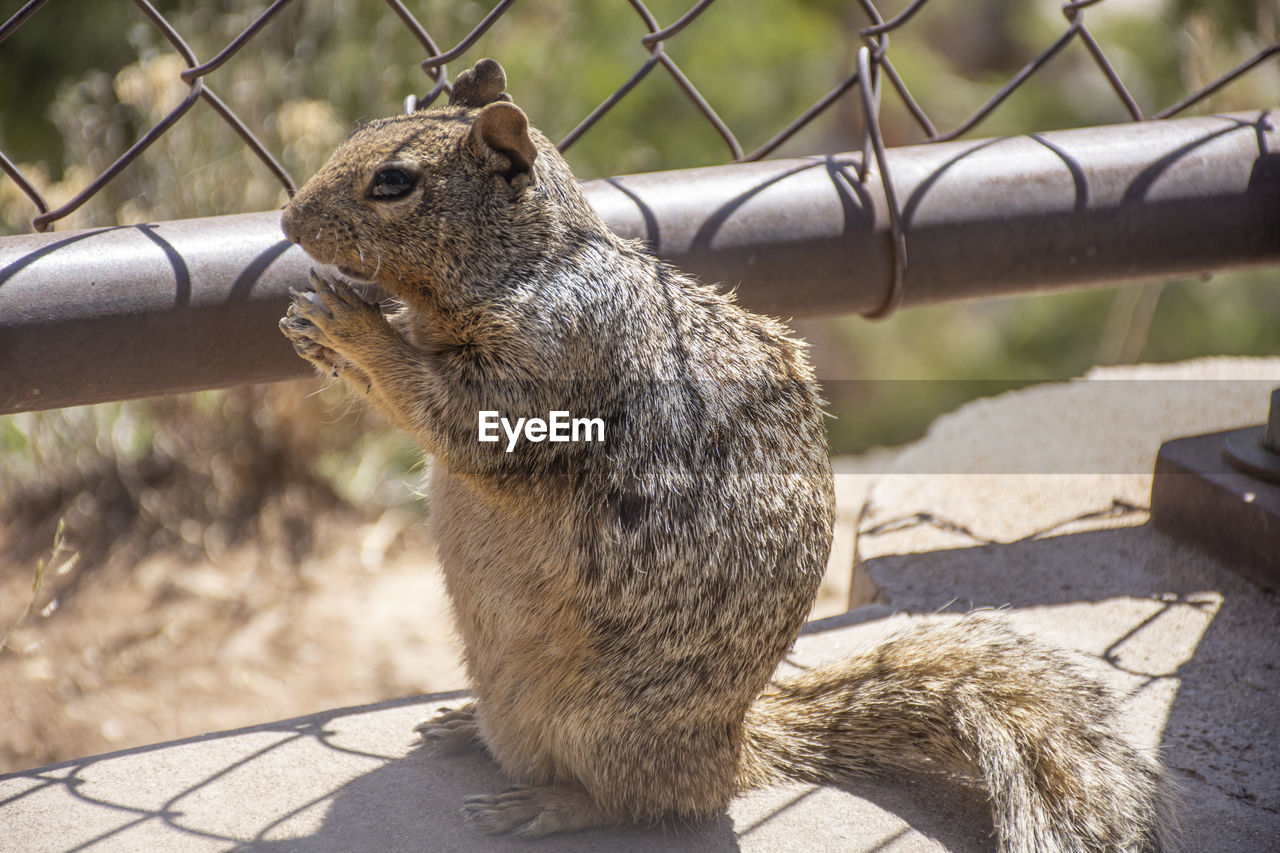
(869, 90)
(873, 67)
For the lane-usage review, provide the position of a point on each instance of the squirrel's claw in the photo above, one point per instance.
(298, 330)
(452, 730)
(534, 812)
(328, 324)
(336, 295)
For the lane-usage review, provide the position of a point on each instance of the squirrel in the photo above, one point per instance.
(623, 604)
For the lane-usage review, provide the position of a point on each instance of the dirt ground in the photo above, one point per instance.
(165, 648)
(173, 649)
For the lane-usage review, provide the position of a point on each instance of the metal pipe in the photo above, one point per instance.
(1049, 211)
(112, 313)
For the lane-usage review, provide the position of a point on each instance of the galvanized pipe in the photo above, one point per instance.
(94, 315)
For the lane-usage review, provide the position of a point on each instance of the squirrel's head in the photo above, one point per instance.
(435, 199)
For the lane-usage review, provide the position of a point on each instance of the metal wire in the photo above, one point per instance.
(874, 64)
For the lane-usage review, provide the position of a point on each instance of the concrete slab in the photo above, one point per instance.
(354, 780)
(1037, 501)
(1045, 515)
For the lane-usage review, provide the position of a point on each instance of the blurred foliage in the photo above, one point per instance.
(81, 84)
(194, 475)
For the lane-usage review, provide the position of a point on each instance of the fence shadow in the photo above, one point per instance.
(1188, 643)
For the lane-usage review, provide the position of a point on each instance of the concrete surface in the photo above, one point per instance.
(1046, 514)
(1033, 501)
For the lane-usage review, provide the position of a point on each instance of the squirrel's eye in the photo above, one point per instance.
(390, 183)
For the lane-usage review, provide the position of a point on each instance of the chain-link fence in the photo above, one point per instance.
(874, 68)
(189, 303)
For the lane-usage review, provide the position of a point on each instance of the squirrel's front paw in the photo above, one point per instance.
(301, 333)
(329, 319)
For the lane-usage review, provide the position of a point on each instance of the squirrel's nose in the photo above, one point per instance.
(289, 222)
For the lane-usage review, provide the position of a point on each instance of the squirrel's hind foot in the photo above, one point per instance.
(452, 730)
(535, 812)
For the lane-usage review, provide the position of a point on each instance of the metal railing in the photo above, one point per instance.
(874, 64)
(185, 305)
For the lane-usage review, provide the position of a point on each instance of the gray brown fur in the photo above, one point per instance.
(624, 605)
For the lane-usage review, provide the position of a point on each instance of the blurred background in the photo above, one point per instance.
(179, 564)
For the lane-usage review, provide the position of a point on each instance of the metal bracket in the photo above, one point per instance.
(1256, 450)
(1221, 491)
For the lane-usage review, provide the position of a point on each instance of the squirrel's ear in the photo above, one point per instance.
(502, 128)
(480, 85)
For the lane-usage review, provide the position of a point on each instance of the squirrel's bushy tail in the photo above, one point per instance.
(972, 697)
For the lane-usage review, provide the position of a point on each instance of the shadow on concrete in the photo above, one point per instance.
(1194, 645)
(412, 804)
